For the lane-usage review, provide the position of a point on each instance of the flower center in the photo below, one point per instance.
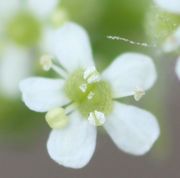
(24, 29)
(91, 95)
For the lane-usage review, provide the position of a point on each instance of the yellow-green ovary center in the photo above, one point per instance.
(24, 29)
(91, 97)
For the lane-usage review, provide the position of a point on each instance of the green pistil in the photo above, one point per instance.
(96, 96)
(24, 29)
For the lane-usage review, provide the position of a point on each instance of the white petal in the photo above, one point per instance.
(48, 36)
(41, 94)
(70, 44)
(42, 8)
(169, 5)
(15, 65)
(173, 42)
(133, 130)
(130, 71)
(8, 7)
(178, 68)
(74, 145)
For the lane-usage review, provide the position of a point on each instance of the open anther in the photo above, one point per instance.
(90, 95)
(96, 118)
(91, 75)
(46, 62)
(138, 93)
(83, 87)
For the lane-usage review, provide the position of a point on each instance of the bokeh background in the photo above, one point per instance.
(23, 133)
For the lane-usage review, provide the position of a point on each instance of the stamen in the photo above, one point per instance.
(94, 78)
(89, 71)
(91, 75)
(90, 95)
(70, 108)
(96, 118)
(57, 118)
(46, 62)
(83, 87)
(138, 93)
(60, 71)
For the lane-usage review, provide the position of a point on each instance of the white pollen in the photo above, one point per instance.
(94, 78)
(91, 75)
(89, 71)
(96, 118)
(46, 62)
(138, 93)
(83, 87)
(90, 95)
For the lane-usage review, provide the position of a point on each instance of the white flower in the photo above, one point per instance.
(84, 99)
(172, 43)
(172, 6)
(22, 25)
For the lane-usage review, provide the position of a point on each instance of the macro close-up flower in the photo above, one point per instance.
(81, 99)
(22, 29)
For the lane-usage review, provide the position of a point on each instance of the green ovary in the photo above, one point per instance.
(102, 95)
(24, 29)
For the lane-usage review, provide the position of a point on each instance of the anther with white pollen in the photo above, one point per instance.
(46, 61)
(91, 75)
(138, 93)
(96, 118)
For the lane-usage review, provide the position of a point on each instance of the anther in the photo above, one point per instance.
(96, 118)
(83, 87)
(89, 71)
(94, 78)
(57, 118)
(91, 75)
(46, 62)
(90, 95)
(138, 93)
